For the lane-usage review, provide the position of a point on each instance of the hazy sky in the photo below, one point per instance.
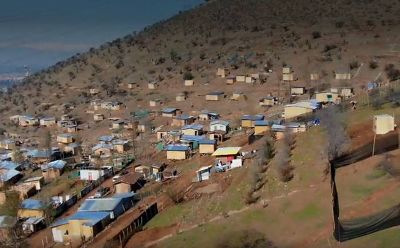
(39, 33)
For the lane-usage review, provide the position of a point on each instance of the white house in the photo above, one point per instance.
(219, 125)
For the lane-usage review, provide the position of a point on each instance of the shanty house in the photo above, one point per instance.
(250, 80)
(268, 101)
(98, 117)
(236, 96)
(94, 174)
(240, 78)
(131, 85)
(194, 129)
(53, 169)
(28, 121)
(247, 121)
(227, 154)
(155, 103)
(206, 115)
(113, 105)
(9, 176)
(169, 112)
(177, 151)
(204, 173)
(189, 82)
(120, 146)
(297, 90)
(152, 85)
(7, 144)
(383, 124)
(65, 138)
(231, 80)
(342, 74)
(287, 70)
(219, 125)
(288, 77)
(215, 96)
(31, 208)
(38, 182)
(103, 150)
(327, 97)
(207, 146)
(222, 72)
(298, 109)
(261, 127)
(180, 97)
(47, 121)
(314, 76)
(129, 183)
(182, 120)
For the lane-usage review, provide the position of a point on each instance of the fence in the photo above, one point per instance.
(350, 229)
(135, 226)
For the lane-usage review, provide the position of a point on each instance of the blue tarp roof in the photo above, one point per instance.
(220, 122)
(169, 110)
(32, 204)
(8, 165)
(184, 117)
(262, 123)
(58, 164)
(38, 153)
(7, 175)
(106, 138)
(177, 148)
(207, 142)
(193, 126)
(253, 117)
(192, 138)
(101, 204)
(92, 218)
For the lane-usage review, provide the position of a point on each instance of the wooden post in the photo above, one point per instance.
(42, 243)
(373, 145)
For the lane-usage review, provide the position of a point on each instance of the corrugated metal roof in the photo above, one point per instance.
(100, 205)
(7, 175)
(219, 122)
(192, 138)
(193, 126)
(225, 151)
(91, 218)
(106, 138)
(58, 164)
(32, 204)
(177, 147)
(184, 117)
(261, 123)
(8, 165)
(169, 110)
(207, 142)
(253, 117)
(102, 146)
(34, 220)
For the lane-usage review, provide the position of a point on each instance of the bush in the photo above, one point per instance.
(188, 76)
(316, 35)
(373, 64)
(354, 65)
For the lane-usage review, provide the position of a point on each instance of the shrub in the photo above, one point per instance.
(373, 64)
(316, 35)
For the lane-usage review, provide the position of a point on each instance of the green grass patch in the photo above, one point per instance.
(360, 191)
(376, 173)
(308, 212)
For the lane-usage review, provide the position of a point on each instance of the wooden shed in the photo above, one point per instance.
(215, 96)
(207, 146)
(177, 152)
(189, 82)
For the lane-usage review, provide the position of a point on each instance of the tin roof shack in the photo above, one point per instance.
(24, 190)
(151, 171)
(169, 112)
(206, 115)
(53, 169)
(292, 127)
(218, 136)
(115, 205)
(33, 224)
(73, 148)
(189, 82)
(299, 109)
(207, 146)
(32, 208)
(314, 76)
(219, 125)
(268, 101)
(131, 85)
(28, 121)
(9, 177)
(155, 103)
(228, 155)
(38, 182)
(7, 225)
(194, 129)
(65, 138)
(230, 80)
(240, 78)
(180, 97)
(287, 69)
(177, 151)
(47, 121)
(42, 156)
(222, 72)
(287, 77)
(237, 96)
(383, 124)
(327, 97)
(247, 121)
(342, 74)
(80, 225)
(103, 150)
(8, 144)
(129, 183)
(120, 146)
(98, 117)
(152, 85)
(261, 127)
(94, 91)
(182, 120)
(215, 96)
(297, 90)
(250, 80)
(344, 92)
(168, 135)
(113, 105)
(94, 174)
(204, 173)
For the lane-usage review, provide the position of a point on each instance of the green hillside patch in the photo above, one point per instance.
(308, 212)
(361, 191)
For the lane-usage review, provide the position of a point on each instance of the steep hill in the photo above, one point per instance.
(245, 36)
